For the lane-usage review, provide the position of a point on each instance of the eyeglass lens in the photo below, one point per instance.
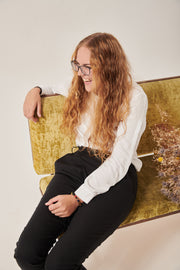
(85, 70)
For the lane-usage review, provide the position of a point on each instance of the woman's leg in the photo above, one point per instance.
(43, 228)
(88, 227)
(92, 224)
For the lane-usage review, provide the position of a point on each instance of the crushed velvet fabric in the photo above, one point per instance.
(166, 94)
(48, 144)
(150, 202)
(47, 140)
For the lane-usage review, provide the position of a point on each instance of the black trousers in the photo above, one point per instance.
(85, 229)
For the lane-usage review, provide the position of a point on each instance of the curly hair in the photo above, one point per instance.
(112, 85)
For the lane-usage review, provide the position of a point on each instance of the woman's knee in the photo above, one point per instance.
(22, 256)
(27, 257)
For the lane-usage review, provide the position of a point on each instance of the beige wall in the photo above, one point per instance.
(37, 38)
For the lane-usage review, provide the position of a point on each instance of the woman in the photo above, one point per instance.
(93, 189)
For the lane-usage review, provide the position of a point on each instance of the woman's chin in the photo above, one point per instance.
(88, 88)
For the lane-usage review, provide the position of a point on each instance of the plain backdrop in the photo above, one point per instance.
(37, 39)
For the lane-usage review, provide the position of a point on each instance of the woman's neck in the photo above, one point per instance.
(92, 99)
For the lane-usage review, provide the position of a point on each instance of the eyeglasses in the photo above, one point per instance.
(84, 69)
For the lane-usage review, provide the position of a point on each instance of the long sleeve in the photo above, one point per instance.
(124, 151)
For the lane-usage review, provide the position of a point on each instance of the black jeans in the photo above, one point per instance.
(85, 229)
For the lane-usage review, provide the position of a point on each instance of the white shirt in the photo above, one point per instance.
(115, 167)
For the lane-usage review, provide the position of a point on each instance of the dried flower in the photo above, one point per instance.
(167, 156)
(160, 159)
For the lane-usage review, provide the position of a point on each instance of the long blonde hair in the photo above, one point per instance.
(113, 83)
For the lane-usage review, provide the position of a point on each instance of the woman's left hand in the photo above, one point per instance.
(62, 205)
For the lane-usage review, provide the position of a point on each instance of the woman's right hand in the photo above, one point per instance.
(32, 105)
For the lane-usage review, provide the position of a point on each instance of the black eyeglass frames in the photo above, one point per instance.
(84, 69)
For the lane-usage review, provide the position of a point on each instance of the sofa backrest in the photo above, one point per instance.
(48, 142)
(163, 98)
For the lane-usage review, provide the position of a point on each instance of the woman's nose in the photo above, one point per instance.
(80, 72)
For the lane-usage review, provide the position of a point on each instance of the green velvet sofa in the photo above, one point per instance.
(49, 144)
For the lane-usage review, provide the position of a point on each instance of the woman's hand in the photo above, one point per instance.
(62, 205)
(32, 104)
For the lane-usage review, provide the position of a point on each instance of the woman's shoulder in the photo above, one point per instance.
(137, 89)
(138, 93)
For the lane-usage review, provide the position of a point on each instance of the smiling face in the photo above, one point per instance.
(83, 59)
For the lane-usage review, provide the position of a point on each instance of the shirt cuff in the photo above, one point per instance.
(84, 194)
(46, 90)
